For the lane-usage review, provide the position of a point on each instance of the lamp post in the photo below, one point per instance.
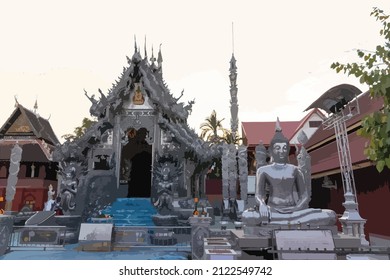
(341, 103)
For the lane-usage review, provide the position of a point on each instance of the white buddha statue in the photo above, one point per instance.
(276, 184)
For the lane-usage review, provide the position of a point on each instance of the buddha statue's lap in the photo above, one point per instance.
(312, 216)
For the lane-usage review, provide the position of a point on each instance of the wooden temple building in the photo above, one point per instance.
(37, 171)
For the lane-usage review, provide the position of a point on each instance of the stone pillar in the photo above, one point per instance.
(199, 231)
(6, 224)
(117, 148)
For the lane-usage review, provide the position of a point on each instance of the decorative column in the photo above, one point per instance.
(199, 231)
(243, 171)
(16, 156)
(117, 147)
(225, 171)
(232, 171)
(233, 97)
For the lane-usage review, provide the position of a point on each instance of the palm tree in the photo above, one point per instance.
(229, 139)
(211, 127)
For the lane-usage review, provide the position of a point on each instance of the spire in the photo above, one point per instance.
(152, 59)
(159, 58)
(135, 44)
(146, 54)
(233, 66)
(233, 94)
(16, 101)
(233, 38)
(36, 106)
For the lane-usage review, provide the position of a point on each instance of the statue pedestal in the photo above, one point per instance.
(165, 220)
(6, 226)
(352, 223)
(199, 231)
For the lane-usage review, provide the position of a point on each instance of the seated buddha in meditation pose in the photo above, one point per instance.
(276, 184)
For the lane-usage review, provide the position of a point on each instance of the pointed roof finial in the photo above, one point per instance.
(16, 101)
(152, 59)
(146, 54)
(36, 106)
(159, 58)
(233, 38)
(135, 44)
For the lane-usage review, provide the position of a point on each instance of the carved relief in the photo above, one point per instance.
(138, 97)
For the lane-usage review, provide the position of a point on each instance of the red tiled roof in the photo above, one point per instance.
(253, 132)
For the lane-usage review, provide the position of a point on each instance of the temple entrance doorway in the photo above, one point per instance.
(136, 163)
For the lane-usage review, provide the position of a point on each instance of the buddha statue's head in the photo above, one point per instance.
(279, 146)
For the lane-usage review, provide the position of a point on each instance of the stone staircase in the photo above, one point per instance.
(131, 212)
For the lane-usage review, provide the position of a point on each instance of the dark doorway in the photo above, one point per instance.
(136, 163)
(140, 175)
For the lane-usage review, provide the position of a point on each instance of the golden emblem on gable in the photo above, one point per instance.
(20, 125)
(138, 98)
(23, 128)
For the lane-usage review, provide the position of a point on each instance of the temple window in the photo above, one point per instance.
(315, 123)
(101, 162)
(3, 171)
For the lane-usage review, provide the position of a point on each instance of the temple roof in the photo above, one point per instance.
(253, 132)
(24, 123)
(150, 77)
(34, 150)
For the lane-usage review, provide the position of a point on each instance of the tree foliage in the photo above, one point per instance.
(374, 71)
(80, 130)
(213, 131)
(212, 128)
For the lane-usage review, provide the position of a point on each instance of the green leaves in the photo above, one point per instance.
(374, 71)
(380, 165)
(80, 130)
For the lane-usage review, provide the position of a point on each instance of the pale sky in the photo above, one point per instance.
(52, 50)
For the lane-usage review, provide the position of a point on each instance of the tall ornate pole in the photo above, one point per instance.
(233, 97)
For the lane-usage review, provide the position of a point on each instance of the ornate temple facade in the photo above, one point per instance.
(140, 146)
(36, 141)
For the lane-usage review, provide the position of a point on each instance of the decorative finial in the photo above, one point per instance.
(16, 101)
(135, 44)
(152, 59)
(233, 38)
(278, 128)
(36, 106)
(159, 58)
(146, 54)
